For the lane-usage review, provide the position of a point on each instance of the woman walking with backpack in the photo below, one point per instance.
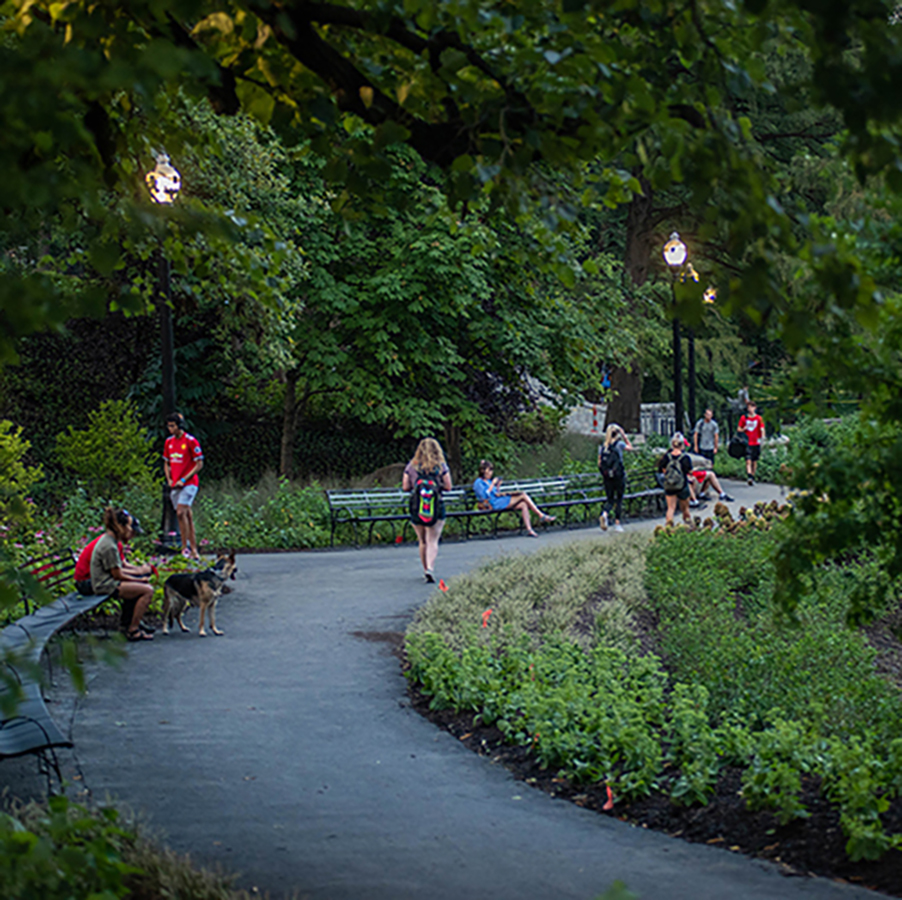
(426, 476)
(675, 466)
(613, 472)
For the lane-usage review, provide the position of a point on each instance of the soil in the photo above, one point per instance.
(812, 846)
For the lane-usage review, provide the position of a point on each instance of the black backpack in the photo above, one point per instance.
(674, 478)
(610, 464)
(738, 446)
(425, 498)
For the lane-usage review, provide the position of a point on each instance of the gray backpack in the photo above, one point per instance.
(674, 479)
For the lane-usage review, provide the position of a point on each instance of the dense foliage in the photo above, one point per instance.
(554, 661)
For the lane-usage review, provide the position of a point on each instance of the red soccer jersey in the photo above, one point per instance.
(753, 426)
(83, 565)
(181, 453)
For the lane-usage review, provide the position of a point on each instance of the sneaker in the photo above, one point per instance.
(726, 497)
(751, 481)
(618, 527)
(694, 504)
(430, 578)
(603, 521)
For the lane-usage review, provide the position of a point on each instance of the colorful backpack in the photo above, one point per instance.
(425, 498)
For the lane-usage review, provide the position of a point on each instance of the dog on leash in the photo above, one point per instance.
(200, 589)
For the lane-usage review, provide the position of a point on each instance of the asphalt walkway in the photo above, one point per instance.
(286, 751)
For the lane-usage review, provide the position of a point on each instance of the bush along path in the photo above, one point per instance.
(652, 682)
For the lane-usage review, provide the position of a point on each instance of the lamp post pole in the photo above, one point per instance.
(690, 373)
(675, 254)
(164, 183)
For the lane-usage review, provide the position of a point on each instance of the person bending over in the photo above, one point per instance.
(487, 493)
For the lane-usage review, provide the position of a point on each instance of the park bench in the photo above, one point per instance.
(355, 508)
(570, 497)
(29, 728)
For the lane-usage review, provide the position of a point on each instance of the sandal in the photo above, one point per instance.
(136, 634)
(532, 534)
(546, 518)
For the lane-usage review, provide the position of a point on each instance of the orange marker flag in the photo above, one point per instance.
(441, 585)
(610, 803)
(485, 617)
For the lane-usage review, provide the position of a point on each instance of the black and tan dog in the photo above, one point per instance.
(198, 588)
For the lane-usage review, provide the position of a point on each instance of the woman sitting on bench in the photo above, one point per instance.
(108, 577)
(487, 496)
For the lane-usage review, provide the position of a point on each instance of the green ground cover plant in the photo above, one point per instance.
(547, 648)
(64, 851)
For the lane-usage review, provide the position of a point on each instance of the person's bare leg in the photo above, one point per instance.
(684, 509)
(671, 508)
(433, 535)
(421, 541)
(192, 537)
(181, 512)
(142, 594)
(518, 502)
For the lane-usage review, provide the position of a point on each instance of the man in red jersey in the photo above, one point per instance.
(753, 425)
(182, 460)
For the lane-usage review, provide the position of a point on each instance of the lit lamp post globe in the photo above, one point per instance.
(675, 251)
(163, 181)
(164, 184)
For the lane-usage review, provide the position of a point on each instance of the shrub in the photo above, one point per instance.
(112, 453)
(64, 851)
(16, 478)
(541, 426)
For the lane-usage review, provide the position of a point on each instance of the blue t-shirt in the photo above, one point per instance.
(484, 490)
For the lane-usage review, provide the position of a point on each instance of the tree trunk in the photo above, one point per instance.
(289, 425)
(624, 406)
(626, 383)
(452, 451)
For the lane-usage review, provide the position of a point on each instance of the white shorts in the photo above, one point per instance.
(183, 496)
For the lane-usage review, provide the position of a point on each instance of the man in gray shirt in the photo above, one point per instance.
(706, 437)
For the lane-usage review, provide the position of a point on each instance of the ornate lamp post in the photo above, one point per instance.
(675, 254)
(164, 184)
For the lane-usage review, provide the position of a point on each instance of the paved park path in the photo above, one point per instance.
(286, 751)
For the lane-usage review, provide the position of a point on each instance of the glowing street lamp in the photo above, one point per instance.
(164, 184)
(164, 181)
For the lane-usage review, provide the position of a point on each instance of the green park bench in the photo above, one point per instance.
(569, 497)
(28, 728)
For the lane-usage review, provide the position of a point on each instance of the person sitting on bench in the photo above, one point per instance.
(487, 496)
(108, 577)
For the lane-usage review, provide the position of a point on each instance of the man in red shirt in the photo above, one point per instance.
(182, 460)
(753, 425)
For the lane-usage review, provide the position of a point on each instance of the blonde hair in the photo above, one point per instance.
(429, 455)
(613, 432)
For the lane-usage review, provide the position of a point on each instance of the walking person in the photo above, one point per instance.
(753, 426)
(182, 460)
(675, 466)
(108, 577)
(613, 473)
(486, 489)
(706, 436)
(428, 471)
